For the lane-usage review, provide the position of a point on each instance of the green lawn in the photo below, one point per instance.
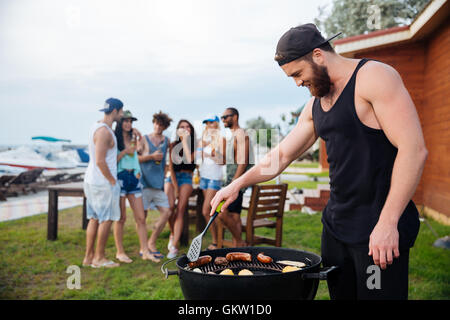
(298, 184)
(33, 268)
(304, 164)
(324, 173)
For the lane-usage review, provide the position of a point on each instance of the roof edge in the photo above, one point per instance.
(389, 36)
(371, 34)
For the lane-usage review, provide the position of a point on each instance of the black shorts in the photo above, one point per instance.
(358, 278)
(236, 205)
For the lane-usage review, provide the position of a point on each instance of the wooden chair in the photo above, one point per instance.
(265, 210)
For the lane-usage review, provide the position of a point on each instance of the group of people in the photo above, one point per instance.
(154, 173)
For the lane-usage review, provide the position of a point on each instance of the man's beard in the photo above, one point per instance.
(320, 83)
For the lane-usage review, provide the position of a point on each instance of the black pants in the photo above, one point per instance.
(236, 205)
(358, 277)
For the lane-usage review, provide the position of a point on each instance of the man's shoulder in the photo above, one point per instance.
(309, 104)
(373, 70)
(375, 76)
(103, 131)
(306, 113)
(240, 132)
(100, 129)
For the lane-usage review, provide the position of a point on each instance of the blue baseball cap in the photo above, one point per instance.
(111, 104)
(211, 119)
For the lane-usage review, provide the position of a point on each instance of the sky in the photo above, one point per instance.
(60, 60)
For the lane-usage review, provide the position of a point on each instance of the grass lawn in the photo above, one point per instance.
(304, 164)
(324, 173)
(298, 184)
(33, 268)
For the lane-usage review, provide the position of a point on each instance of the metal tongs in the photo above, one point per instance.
(196, 244)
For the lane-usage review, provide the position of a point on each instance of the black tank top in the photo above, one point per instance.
(361, 161)
(184, 165)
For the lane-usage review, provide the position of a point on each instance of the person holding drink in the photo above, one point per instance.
(179, 184)
(152, 158)
(129, 173)
(212, 153)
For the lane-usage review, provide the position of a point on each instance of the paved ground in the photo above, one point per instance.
(34, 203)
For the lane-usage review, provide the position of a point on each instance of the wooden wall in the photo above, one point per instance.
(435, 120)
(425, 69)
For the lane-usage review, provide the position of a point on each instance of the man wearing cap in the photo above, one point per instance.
(100, 185)
(376, 153)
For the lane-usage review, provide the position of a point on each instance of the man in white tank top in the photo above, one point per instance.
(100, 185)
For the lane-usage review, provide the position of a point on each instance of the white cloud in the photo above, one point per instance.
(188, 36)
(153, 54)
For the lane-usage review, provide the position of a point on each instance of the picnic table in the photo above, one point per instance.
(75, 189)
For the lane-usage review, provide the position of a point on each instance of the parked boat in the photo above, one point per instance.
(47, 153)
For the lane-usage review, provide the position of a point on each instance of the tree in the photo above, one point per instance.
(260, 123)
(354, 17)
(289, 121)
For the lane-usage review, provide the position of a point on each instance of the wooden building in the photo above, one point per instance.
(420, 52)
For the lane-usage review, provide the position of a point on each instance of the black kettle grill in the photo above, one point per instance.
(267, 281)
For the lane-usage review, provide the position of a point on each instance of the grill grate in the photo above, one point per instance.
(255, 266)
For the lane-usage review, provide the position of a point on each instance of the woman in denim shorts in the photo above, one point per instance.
(212, 153)
(128, 175)
(179, 184)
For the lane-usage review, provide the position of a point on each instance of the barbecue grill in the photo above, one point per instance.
(267, 281)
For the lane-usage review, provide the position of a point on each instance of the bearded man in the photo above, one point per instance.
(376, 153)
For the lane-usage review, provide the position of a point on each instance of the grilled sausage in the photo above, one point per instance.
(200, 262)
(239, 256)
(221, 261)
(263, 258)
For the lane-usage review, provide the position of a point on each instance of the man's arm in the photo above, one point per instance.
(137, 133)
(383, 88)
(144, 154)
(241, 158)
(299, 140)
(102, 141)
(142, 150)
(222, 153)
